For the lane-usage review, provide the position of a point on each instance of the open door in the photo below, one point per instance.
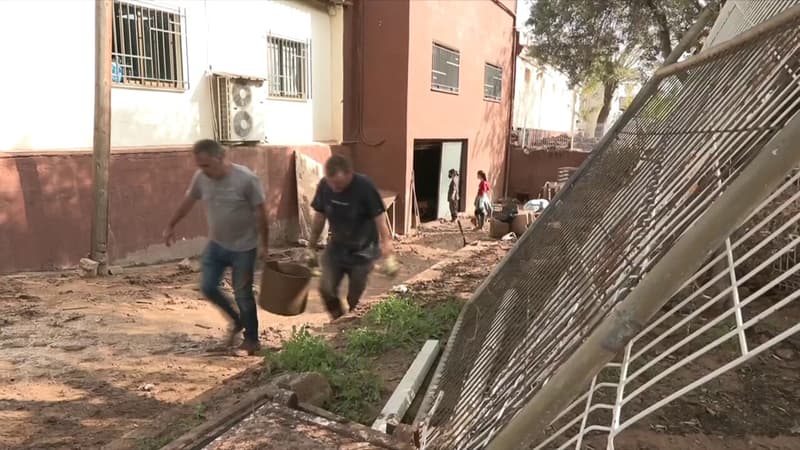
(451, 159)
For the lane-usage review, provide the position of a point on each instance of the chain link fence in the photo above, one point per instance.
(640, 192)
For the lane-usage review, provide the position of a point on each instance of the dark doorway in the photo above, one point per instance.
(433, 159)
(427, 165)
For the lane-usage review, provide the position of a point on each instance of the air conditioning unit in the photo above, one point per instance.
(238, 107)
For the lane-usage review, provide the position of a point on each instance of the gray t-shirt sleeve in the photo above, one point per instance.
(194, 190)
(254, 192)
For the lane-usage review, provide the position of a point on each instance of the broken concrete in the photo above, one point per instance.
(311, 387)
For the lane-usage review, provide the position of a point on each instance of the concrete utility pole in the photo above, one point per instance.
(102, 133)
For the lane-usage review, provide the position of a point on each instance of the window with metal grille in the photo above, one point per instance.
(288, 63)
(148, 46)
(444, 73)
(492, 83)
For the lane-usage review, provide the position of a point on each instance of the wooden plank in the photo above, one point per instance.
(404, 394)
(308, 174)
(389, 202)
(416, 221)
(101, 141)
(208, 431)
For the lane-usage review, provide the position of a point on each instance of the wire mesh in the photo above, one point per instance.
(621, 214)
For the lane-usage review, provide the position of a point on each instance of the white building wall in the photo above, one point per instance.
(542, 98)
(47, 81)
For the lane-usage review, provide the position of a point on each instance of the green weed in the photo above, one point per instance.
(394, 323)
(355, 386)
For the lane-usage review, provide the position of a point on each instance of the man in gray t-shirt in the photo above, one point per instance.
(236, 215)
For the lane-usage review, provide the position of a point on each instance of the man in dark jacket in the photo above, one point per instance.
(354, 209)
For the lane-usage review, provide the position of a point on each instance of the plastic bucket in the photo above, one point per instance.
(284, 288)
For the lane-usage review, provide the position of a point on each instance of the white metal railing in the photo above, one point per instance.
(702, 325)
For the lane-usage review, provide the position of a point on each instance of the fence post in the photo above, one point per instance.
(767, 170)
(102, 133)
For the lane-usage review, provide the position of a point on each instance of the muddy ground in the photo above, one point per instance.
(85, 362)
(125, 361)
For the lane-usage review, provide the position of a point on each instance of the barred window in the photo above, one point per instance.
(288, 63)
(148, 46)
(444, 73)
(493, 82)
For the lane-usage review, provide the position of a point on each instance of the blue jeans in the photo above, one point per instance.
(215, 260)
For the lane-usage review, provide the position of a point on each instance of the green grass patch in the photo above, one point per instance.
(405, 323)
(395, 323)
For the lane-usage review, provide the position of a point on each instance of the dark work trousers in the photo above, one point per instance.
(333, 272)
(215, 260)
(454, 209)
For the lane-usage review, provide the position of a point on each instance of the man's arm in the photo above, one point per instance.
(317, 224)
(384, 235)
(262, 216)
(318, 221)
(184, 208)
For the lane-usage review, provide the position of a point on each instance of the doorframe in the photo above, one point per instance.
(462, 170)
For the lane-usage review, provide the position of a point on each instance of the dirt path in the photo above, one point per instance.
(83, 362)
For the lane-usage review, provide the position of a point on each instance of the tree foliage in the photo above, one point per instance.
(607, 40)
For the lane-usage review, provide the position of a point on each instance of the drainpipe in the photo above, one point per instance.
(572, 119)
(514, 53)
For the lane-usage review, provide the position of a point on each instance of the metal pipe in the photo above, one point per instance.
(752, 34)
(512, 86)
(767, 170)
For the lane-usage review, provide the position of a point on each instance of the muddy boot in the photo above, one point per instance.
(233, 334)
(334, 309)
(249, 347)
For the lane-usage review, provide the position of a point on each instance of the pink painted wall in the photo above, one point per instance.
(45, 202)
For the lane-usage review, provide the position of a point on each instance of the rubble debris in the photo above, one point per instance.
(311, 387)
(88, 267)
(188, 265)
(71, 346)
(400, 289)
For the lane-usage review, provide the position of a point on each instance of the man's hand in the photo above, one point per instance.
(169, 235)
(386, 248)
(264, 252)
(390, 266)
(311, 257)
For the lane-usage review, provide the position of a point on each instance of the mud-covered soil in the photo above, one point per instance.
(84, 362)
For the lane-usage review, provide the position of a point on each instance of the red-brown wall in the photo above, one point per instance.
(482, 32)
(45, 203)
(528, 173)
(375, 87)
(387, 45)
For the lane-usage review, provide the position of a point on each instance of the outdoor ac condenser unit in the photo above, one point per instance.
(238, 107)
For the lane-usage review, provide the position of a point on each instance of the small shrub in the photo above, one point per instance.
(366, 342)
(303, 352)
(394, 323)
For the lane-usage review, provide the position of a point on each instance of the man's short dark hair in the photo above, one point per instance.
(210, 147)
(337, 164)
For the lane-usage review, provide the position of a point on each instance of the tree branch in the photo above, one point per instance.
(664, 40)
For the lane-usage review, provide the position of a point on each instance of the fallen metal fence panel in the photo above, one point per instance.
(645, 186)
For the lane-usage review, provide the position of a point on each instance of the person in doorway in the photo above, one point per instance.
(453, 194)
(237, 215)
(483, 204)
(354, 209)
